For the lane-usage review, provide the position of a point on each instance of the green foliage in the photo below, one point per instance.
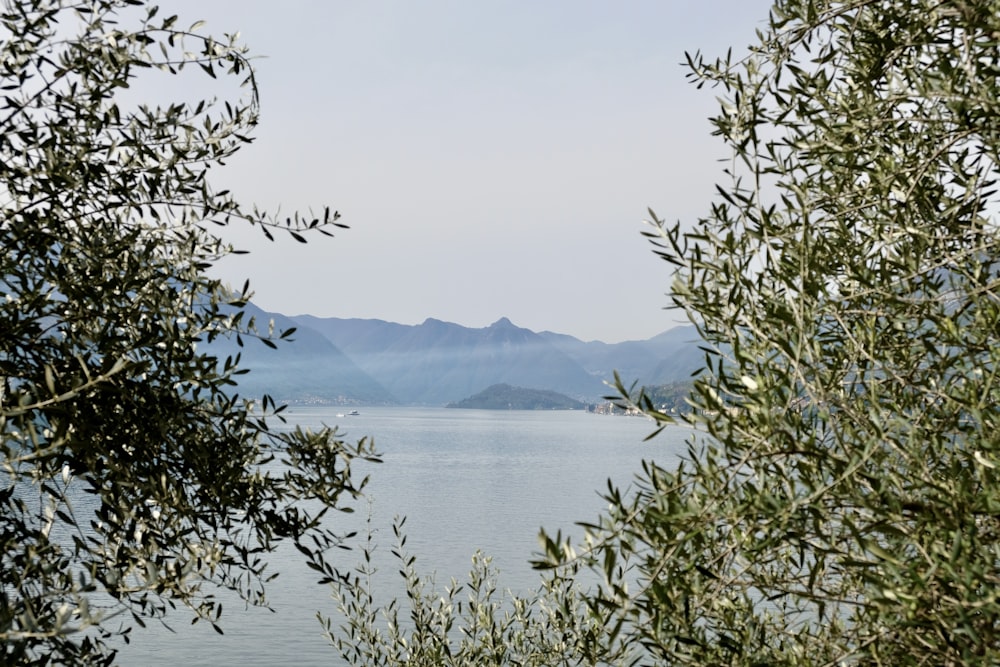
(839, 500)
(134, 480)
(469, 624)
(669, 399)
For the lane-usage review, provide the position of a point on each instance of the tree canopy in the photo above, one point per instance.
(842, 504)
(134, 479)
(839, 501)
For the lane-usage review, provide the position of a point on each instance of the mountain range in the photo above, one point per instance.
(374, 362)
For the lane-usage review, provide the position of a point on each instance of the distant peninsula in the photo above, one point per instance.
(506, 397)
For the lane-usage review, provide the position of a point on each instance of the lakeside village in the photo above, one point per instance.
(670, 399)
(609, 408)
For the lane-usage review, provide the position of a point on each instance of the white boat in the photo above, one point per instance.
(354, 412)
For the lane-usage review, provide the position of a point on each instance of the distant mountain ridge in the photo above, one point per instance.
(368, 361)
(435, 363)
(306, 369)
(667, 357)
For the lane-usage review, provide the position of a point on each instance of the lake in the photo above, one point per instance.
(465, 480)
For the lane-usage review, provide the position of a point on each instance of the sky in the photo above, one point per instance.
(492, 158)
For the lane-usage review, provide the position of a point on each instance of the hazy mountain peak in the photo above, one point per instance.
(436, 323)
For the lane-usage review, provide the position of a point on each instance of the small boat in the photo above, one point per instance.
(340, 415)
(354, 412)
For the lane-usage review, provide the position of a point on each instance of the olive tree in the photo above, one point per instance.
(840, 499)
(475, 622)
(135, 479)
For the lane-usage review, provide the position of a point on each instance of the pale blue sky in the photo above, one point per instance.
(492, 158)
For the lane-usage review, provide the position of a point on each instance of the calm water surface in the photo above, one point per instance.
(465, 480)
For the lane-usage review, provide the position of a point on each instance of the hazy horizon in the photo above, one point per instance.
(492, 159)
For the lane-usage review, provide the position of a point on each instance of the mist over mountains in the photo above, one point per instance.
(374, 362)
